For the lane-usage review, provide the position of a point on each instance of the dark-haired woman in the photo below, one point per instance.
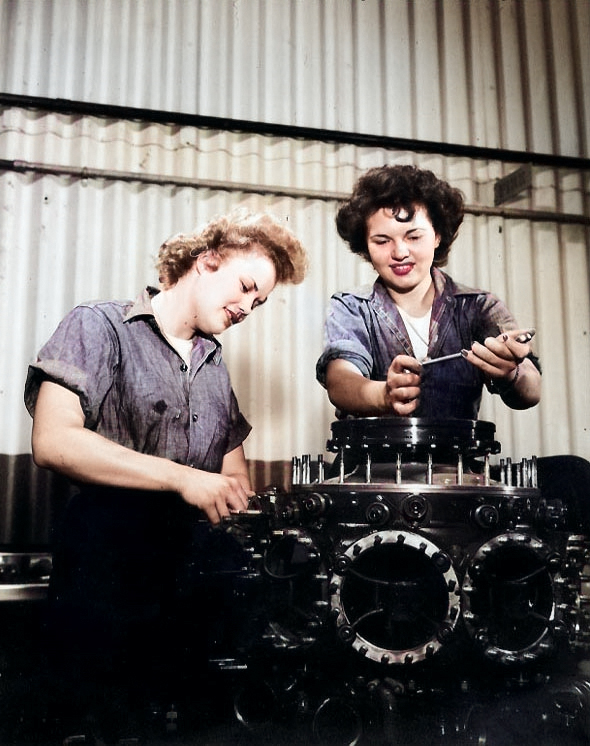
(403, 220)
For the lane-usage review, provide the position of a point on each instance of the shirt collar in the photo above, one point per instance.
(142, 308)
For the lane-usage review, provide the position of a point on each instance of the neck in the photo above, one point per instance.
(165, 304)
(417, 301)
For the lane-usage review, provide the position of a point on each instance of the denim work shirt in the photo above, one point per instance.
(136, 390)
(365, 327)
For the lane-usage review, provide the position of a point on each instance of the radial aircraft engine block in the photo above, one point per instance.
(412, 547)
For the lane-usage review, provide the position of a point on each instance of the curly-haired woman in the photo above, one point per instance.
(132, 402)
(403, 220)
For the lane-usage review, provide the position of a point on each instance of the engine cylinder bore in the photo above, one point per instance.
(509, 598)
(295, 592)
(393, 597)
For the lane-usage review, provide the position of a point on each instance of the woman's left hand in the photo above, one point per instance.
(498, 357)
(503, 359)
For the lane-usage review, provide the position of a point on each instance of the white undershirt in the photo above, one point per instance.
(184, 347)
(418, 329)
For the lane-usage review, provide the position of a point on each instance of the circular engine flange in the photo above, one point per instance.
(394, 596)
(509, 605)
(415, 436)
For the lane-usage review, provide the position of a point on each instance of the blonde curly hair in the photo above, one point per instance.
(239, 231)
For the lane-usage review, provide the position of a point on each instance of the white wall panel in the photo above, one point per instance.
(510, 74)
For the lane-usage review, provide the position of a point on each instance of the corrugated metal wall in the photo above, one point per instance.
(66, 238)
(76, 225)
(511, 74)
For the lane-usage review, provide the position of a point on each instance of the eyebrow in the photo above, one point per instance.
(252, 282)
(386, 235)
(260, 301)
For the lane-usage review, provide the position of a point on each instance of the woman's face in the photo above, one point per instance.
(402, 250)
(219, 298)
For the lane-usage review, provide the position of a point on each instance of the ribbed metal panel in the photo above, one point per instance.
(512, 74)
(67, 236)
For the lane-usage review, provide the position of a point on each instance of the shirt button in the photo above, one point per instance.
(195, 417)
(184, 367)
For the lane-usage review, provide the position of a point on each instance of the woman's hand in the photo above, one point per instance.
(504, 360)
(217, 495)
(402, 388)
(499, 356)
(354, 394)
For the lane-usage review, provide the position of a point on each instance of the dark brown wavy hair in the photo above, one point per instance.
(240, 231)
(401, 187)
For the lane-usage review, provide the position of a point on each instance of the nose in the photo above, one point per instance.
(399, 250)
(245, 308)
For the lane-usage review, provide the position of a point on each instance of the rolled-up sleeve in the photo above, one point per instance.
(346, 336)
(82, 356)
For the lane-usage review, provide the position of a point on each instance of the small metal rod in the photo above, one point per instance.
(429, 469)
(460, 469)
(320, 468)
(442, 359)
(368, 469)
(524, 467)
(398, 468)
(509, 472)
(486, 470)
(342, 466)
(295, 472)
(305, 470)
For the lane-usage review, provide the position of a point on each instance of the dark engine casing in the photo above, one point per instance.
(416, 567)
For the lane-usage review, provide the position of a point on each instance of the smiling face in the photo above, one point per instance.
(402, 249)
(217, 295)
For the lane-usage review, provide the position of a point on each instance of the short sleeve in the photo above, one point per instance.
(346, 336)
(81, 355)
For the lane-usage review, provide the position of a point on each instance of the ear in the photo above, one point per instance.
(207, 261)
(436, 241)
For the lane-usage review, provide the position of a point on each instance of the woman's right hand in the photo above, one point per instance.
(217, 495)
(402, 387)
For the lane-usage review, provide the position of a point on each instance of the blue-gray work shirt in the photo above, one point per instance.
(136, 390)
(364, 327)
